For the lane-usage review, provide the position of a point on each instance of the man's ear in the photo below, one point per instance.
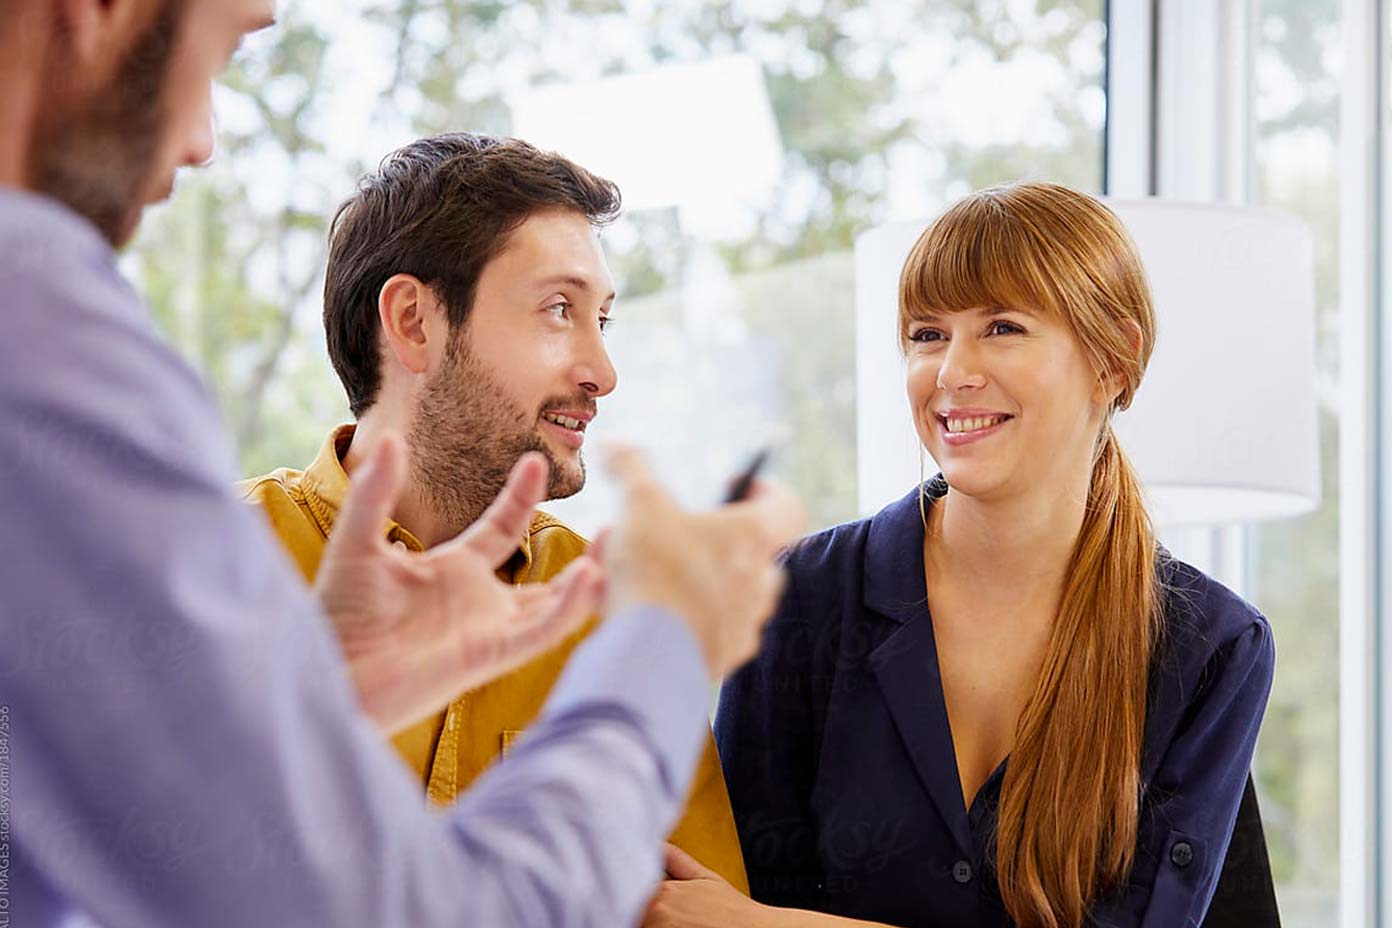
(408, 311)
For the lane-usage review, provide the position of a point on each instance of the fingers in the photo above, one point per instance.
(771, 511)
(682, 866)
(629, 467)
(546, 620)
(775, 581)
(772, 514)
(496, 534)
(763, 601)
(596, 553)
(528, 595)
(372, 495)
(601, 542)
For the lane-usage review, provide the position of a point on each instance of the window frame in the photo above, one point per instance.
(1179, 124)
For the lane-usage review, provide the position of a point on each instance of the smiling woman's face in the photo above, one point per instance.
(1003, 399)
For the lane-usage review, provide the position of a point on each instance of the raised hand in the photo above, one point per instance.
(715, 569)
(419, 629)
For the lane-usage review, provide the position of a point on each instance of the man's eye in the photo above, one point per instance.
(559, 310)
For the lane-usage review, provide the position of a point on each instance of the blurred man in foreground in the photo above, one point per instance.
(179, 709)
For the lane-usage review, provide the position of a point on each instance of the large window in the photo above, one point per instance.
(1295, 564)
(754, 140)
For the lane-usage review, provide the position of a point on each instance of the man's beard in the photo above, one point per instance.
(98, 160)
(467, 434)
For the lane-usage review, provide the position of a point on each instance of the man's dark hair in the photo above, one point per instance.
(440, 209)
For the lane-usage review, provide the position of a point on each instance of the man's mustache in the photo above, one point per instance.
(583, 403)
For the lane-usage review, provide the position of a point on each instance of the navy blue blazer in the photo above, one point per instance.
(840, 765)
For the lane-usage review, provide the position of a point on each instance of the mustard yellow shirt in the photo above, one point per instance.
(449, 750)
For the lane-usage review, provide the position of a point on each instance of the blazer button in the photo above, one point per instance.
(1182, 854)
(962, 871)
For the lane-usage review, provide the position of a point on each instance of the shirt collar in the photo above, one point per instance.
(325, 485)
(894, 583)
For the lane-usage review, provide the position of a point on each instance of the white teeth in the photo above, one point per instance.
(574, 425)
(974, 424)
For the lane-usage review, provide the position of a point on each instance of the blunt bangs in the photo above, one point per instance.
(974, 255)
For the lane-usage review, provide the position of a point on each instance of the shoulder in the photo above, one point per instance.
(56, 263)
(875, 559)
(1201, 612)
(1208, 629)
(830, 551)
(554, 545)
(825, 585)
(66, 299)
(287, 511)
(81, 359)
(825, 576)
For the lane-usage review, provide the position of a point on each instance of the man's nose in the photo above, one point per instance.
(594, 371)
(200, 144)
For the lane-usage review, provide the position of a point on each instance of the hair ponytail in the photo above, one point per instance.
(1070, 801)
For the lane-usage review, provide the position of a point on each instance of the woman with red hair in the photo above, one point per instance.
(997, 702)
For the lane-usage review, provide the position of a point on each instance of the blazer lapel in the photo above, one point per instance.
(905, 664)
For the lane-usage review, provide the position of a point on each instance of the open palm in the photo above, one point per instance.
(419, 629)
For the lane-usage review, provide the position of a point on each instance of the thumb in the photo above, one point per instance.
(682, 866)
(372, 494)
(600, 544)
(772, 513)
(630, 469)
(495, 534)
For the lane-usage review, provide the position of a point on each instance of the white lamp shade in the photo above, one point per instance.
(1223, 429)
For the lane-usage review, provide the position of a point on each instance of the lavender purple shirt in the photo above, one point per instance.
(179, 741)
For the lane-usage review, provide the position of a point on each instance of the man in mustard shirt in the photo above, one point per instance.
(465, 301)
